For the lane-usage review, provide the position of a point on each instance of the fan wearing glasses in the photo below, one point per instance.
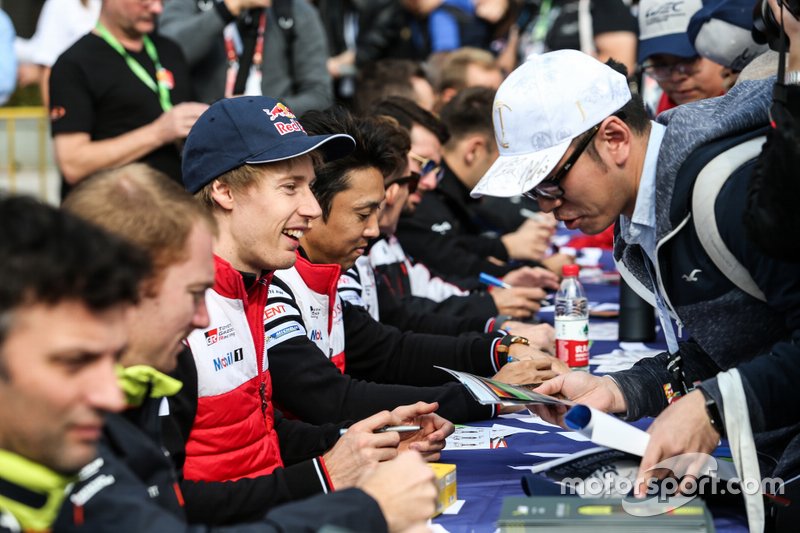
(666, 55)
(428, 136)
(572, 136)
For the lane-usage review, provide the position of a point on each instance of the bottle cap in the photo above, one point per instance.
(570, 270)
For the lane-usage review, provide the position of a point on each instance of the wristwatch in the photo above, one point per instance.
(712, 410)
(505, 343)
(792, 78)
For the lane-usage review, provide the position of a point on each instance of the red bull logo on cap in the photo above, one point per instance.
(280, 110)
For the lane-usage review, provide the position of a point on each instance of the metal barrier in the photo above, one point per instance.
(11, 115)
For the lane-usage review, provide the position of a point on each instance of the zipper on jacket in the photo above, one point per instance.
(262, 392)
(657, 268)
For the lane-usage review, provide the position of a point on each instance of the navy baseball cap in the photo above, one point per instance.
(250, 130)
(663, 27)
(721, 31)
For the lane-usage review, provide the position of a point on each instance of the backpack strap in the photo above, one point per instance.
(284, 16)
(709, 183)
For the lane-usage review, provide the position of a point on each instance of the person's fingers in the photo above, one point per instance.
(382, 454)
(552, 386)
(544, 375)
(518, 312)
(431, 457)
(376, 421)
(437, 436)
(426, 447)
(652, 456)
(552, 414)
(409, 412)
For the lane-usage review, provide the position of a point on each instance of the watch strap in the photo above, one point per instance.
(505, 343)
(713, 412)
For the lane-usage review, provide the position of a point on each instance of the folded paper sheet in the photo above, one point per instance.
(607, 430)
(488, 391)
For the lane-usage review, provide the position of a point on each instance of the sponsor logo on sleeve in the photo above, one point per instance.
(271, 311)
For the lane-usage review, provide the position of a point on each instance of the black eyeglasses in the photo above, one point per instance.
(550, 187)
(664, 71)
(412, 180)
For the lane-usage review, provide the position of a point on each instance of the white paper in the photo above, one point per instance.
(469, 438)
(454, 508)
(573, 435)
(623, 358)
(547, 465)
(499, 431)
(536, 419)
(603, 331)
(610, 306)
(607, 430)
(547, 455)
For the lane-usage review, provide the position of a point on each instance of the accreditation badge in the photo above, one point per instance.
(165, 77)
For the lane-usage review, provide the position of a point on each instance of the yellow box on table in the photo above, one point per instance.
(446, 481)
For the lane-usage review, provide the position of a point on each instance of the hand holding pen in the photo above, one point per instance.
(526, 292)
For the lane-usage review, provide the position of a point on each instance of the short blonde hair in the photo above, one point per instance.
(144, 207)
(242, 178)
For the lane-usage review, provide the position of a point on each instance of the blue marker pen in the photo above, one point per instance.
(488, 279)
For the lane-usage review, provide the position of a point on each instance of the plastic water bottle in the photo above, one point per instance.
(572, 320)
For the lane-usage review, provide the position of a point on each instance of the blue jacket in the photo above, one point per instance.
(728, 327)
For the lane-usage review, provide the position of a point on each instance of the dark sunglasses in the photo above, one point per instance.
(427, 166)
(551, 188)
(412, 180)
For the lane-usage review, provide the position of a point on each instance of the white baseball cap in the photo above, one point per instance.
(540, 108)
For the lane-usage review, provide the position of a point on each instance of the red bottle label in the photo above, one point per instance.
(572, 352)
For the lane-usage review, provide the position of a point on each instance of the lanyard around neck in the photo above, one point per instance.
(234, 58)
(543, 22)
(160, 87)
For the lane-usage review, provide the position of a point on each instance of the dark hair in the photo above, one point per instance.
(407, 113)
(380, 79)
(632, 113)
(50, 256)
(469, 112)
(377, 145)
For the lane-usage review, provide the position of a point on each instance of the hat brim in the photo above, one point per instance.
(332, 146)
(512, 175)
(673, 44)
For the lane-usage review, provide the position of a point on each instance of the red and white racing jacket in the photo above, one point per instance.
(387, 258)
(234, 385)
(303, 300)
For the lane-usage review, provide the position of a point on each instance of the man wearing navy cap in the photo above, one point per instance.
(666, 55)
(249, 161)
